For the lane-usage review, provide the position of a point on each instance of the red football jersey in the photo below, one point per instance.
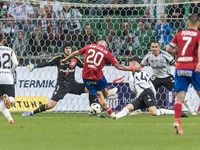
(95, 59)
(187, 42)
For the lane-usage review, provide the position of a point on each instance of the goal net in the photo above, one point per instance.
(36, 31)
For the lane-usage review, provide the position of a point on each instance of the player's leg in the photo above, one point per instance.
(135, 105)
(169, 84)
(43, 107)
(125, 111)
(178, 108)
(59, 93)
(188, 106)
(180, 87)
(8, 93)
(163, 111)
(96, 87)
(6, 112)
(104, 104)
(196, 82)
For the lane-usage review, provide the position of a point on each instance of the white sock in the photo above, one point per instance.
(122, 113)
(187, 104)
(164, 112)
(5, 111)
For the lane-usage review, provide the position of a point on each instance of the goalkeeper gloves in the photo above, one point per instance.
(31, 66)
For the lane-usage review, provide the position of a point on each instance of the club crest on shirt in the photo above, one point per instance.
(73, 63)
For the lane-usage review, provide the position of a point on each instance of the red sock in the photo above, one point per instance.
(109, 110)
(177, 109)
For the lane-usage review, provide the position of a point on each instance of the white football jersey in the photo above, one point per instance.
(138, 82)
(160, 64)
(20, 12)
(8, 64)
(57, 7)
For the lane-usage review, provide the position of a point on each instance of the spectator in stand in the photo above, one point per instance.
(38, 42)
(159, 9)
(87, 37)
(129, 38)
(1, 25)
(71, 26)
(176, 12)
(120, 11)
(163, 31)
(23, 14)
(35, 10)
(57, 7)
(20, 44)
(113, 42)
(49, 25)
(10, 31)
(194, 8)
(3, 9)
(146, 22)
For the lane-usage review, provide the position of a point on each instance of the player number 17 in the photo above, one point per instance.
(188, 40)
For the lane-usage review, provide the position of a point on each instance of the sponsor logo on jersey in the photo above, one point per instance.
(92, 66)
(187, 73)
(185, 59)
(190, 33)
(91, 83)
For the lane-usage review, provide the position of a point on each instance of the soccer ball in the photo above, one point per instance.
(95, 108)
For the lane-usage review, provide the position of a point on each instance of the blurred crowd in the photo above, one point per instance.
(41, 30)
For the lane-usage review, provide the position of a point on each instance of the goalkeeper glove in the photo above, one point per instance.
(31, 66)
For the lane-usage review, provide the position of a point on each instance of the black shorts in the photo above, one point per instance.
(61, 91)
(145, 100)
(167, 82)
(7, 89)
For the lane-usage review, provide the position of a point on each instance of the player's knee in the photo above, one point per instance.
(51, 104)
(99, 94)
(130, 107)
(153, 113)
(153, 110)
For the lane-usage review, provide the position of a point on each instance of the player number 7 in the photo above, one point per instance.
(188, 40)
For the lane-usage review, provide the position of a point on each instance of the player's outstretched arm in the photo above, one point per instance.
(31, 66)
(125, 68)
(171, 50)
(72, 55)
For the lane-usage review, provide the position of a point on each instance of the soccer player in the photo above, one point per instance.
(188, 59)
(142, 86)
(66, 82)
(160, 61)
(96, 57)
(8, 64)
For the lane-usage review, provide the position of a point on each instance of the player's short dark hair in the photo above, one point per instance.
(101, 39)
(193, 18)
(135, 58)
(67, 44)
(156, 42)
(1, 36)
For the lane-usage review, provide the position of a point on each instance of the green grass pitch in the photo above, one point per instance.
(65, 131)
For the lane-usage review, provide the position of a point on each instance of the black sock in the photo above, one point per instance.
(40, 109)
(92, 98)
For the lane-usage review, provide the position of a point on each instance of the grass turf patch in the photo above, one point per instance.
(59, 131)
